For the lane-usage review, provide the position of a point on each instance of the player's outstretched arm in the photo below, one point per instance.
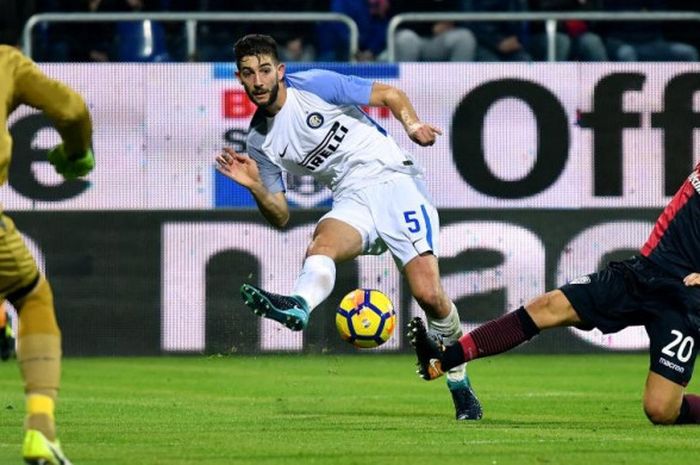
(67, 110)
(397, 101)
(244, 170)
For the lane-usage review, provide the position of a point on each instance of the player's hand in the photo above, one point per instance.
(71, 166)
(693, 279)
(423, 134)
(240, 168)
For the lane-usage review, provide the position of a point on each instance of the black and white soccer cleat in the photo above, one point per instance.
(429, 349)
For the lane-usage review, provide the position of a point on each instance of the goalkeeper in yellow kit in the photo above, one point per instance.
(21, 283)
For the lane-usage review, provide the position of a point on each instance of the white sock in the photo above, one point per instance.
(450, 329)
(316, 280)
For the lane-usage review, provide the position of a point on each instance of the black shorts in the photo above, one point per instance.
(636, 292)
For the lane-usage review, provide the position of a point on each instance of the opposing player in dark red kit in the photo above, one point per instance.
(660, 290)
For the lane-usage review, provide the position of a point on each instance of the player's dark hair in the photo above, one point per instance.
(255, 45)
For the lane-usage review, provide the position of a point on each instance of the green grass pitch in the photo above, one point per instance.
(328, 409)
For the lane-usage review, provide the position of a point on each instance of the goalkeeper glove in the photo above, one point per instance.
(71, 166)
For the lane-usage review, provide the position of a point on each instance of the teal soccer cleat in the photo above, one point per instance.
(467, 405)
(291, 311)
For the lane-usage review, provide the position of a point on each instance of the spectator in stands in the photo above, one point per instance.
(13, 15)
(50, 41)
(215, 38)
(585, 44)
(128, 41)
(296, 43)
(440, 41)
(92, 41)
(141, 41)
(176, 31)
(297, 48)
(642, 41)
(501, 40)
(372, 18)
(683, 31)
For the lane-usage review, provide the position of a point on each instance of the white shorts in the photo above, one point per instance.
(396, 215)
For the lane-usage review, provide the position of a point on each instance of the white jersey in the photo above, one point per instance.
(320, 131)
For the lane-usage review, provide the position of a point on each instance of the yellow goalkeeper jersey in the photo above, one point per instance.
(22, 82)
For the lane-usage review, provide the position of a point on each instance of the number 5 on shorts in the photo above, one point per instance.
(412, 221)
(419, 225)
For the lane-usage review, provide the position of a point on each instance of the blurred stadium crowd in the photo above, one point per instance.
(151, 41)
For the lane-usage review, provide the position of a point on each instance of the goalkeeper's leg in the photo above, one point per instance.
(39, 355)
(38, 343)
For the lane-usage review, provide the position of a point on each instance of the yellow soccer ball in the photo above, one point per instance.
(365, 318)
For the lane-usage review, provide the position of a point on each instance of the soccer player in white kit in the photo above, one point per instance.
(309, 123)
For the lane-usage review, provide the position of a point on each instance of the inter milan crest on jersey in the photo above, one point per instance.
(314, 120)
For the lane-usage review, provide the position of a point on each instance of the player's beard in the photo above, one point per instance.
(272, 96)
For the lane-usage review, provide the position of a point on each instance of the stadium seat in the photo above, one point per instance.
(141, 41)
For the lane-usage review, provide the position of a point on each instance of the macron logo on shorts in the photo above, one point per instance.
(671, 365)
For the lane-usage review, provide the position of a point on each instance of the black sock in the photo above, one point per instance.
(452, 357)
